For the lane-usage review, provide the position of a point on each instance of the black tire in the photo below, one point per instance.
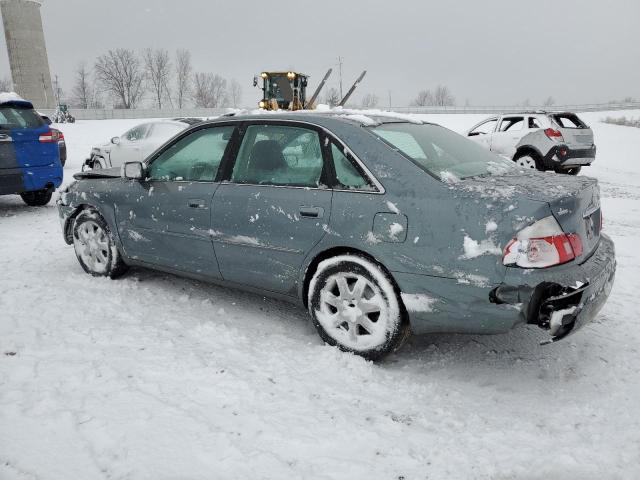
(37, 199)
(91, 233)
(572, 171)
(534, 156)
(386, 328)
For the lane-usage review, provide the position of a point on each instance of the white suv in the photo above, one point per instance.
(538, 140)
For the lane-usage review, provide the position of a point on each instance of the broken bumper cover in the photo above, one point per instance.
(562, 156)
(65, 213)
(566, 301)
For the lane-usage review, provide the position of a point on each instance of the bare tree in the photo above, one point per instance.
(370, 100)
(5, 85)
(83, 93)
(424, 98)
(157, 68)
(549, 102)
(184, 71)
(332, 97)
(121, 74)
(209, 90)
(235, 92)
(442, 96)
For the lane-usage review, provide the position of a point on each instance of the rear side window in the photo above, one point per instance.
(12, 117)
(279, 155)
(441, 152)
(511, 124)
(568, 120)
(347, 174)
(534, 123)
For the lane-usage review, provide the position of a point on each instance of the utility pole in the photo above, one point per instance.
(389, 100)
(340, 65)
(57, 90)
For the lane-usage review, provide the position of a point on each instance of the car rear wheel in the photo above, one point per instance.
(572, 171)
(95, 247)
(528, 161)
(355, 307)
(37, 199)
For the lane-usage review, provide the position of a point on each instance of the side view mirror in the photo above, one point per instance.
(115, 140)
(133, 170)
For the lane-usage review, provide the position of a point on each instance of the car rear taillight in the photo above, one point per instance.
(542, 245)
(553, 134)
(50, 137)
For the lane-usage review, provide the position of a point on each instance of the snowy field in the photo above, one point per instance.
(156, 377)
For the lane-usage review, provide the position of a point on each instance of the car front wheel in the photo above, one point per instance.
(95, 247)
(355, 307)
(37, 199)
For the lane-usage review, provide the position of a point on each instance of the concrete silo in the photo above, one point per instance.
(27, 51)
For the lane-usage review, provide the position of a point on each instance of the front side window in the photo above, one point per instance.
(137, 133)
(279, 155)
(484, 128)
(440, 151)
(195, 157)
(347, 174)
(19, 117)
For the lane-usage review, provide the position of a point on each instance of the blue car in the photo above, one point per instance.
(29, 153)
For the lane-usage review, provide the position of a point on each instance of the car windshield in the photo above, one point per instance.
(12, 117)
(441, 152)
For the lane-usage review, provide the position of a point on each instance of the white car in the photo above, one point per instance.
(557, 141)
(137, 143)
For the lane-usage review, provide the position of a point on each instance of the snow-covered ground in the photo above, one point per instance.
(157, 377)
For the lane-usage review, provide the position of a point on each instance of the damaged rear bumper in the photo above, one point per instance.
(563, 301)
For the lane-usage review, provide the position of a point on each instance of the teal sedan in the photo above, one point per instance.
(378, 226)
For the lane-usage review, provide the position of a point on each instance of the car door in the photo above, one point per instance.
(274, 208)
(510, 130)
(483, 132)
(128, 149)
(165, 220)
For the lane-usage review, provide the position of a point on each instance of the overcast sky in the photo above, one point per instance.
(488, 52)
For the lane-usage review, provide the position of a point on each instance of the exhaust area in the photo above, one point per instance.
(550, 306)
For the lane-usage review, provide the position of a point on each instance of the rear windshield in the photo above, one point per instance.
(441, 152)
(12, 117)
(568, 120)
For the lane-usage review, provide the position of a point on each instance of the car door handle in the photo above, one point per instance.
(197, 203)
(311, 212)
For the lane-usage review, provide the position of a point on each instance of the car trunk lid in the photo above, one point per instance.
(573, 201)
(20, 130)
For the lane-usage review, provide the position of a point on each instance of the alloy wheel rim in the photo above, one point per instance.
(526, 162)
(92, 246)
(353, 311)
